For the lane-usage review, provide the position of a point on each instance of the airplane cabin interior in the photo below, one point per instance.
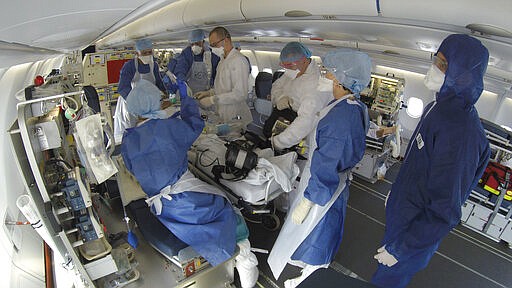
(76, 214)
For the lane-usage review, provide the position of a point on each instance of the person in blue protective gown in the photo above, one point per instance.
(444, 160)
(139, 67)
(132, 71)
(155, 152)
(171, 66)
(313, 230)
(196, 64)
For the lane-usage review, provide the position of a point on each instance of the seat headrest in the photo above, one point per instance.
(263, 85)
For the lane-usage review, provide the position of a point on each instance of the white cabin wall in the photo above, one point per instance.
(25, 271)
(504, 117)
(267, 60)
(486, 105)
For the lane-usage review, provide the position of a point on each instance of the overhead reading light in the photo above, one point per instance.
(426, 46)
(486, 29)
(297, 13)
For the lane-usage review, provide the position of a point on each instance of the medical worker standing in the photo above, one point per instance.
(230, 91)
(199, 214)
(296, 90)
(313, 230)
(196, 64)
(445, 159)
(143, 66)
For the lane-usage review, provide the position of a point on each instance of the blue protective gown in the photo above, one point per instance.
(185, 62)
(127, 73)
(340, 137)
(171, 66)
(440, 169)
(156, 153)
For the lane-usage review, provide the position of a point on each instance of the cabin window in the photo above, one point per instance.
(414, 107)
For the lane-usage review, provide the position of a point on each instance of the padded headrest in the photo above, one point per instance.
(263, 85)
(277, 75)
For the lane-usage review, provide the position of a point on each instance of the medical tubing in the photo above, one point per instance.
(207, 165)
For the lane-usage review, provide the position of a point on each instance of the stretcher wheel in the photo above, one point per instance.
(270, 222)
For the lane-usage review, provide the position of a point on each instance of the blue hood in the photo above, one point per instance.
(467, 61)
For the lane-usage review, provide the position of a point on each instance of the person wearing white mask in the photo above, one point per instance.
(143, 66)
(230, 90)
(312, 232)
(444, 161)
(196, 65)
(295, 92)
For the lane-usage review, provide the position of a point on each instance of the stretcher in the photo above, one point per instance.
(253, 197)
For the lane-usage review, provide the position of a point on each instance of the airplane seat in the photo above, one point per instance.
(263, 85)
(262, 104)
(93, 99)
(277, 75)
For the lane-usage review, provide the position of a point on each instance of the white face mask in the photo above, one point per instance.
(197, 49)
(434, 79)
(325, 85)
(219, 51)
(146, 59)
(292, 74)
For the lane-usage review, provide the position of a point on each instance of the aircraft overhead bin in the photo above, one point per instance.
(383, 97)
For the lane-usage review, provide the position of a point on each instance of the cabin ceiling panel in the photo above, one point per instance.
(167, 19)
(459, 13)
(59, 24)
(272, 8)
(358, 31)
(201, 12)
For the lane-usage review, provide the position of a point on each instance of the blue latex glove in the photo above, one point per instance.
(169, 85)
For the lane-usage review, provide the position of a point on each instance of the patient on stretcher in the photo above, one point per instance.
(155, 152)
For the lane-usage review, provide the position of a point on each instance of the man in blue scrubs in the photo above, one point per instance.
(445, 158)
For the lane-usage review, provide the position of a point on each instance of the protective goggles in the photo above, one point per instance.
(324, 70)
(216, 44)
(440, 63)
(293, 65)
(289, 65)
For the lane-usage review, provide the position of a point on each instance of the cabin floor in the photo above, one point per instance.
(464, 258)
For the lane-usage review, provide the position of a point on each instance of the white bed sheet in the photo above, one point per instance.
(209, 150)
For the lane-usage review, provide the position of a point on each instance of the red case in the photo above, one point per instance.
(494, 174)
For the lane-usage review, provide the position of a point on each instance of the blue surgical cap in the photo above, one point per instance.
(467, 61)
(352, 68)
(144, 100)
(294, 51)
(196, 36)
(143, 44)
